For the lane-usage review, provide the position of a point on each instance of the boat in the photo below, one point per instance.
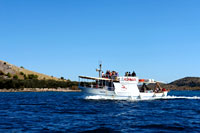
(124, 87)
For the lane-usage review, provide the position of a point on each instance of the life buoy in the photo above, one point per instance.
(141, 80)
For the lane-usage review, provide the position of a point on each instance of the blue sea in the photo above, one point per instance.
(71, 112)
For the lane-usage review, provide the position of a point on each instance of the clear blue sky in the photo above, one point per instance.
(158, 39)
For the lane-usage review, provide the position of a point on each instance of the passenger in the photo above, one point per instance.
(102, 74)
(145, 88)
(117, 74)
(142, 89)
(110, 74)
(134, 74)
(126, 74)
(158, 88)
(113, 73)
(164, 89)
(107, 74)
(129, 73)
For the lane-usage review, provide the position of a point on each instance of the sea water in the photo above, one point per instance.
(71, 112)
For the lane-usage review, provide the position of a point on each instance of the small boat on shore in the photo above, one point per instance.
(124, 87)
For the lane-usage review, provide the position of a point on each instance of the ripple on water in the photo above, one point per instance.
(68, 112)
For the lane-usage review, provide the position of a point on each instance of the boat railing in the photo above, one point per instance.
(95, 86)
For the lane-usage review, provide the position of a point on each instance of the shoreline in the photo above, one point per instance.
(40, 90)
(64, 90)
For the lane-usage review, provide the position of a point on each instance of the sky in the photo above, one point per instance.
(157, 39)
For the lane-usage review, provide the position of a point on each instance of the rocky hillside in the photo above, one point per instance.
(187, 83)
(8, 70)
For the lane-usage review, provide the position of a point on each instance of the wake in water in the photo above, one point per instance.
(125, 98)
(181, 97)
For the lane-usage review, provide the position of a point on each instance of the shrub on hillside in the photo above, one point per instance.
(2, 73)
(35, 83)
(25, 77)
(15, 77)
(21, 73)
(9, 75)
(32, 76)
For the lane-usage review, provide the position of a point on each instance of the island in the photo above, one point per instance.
(19, 79)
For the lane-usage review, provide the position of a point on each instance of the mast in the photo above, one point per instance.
(99, 70)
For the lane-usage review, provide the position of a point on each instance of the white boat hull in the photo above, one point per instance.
(113, 95)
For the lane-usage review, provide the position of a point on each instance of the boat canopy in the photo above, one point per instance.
(107, 79)
(94, 78)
